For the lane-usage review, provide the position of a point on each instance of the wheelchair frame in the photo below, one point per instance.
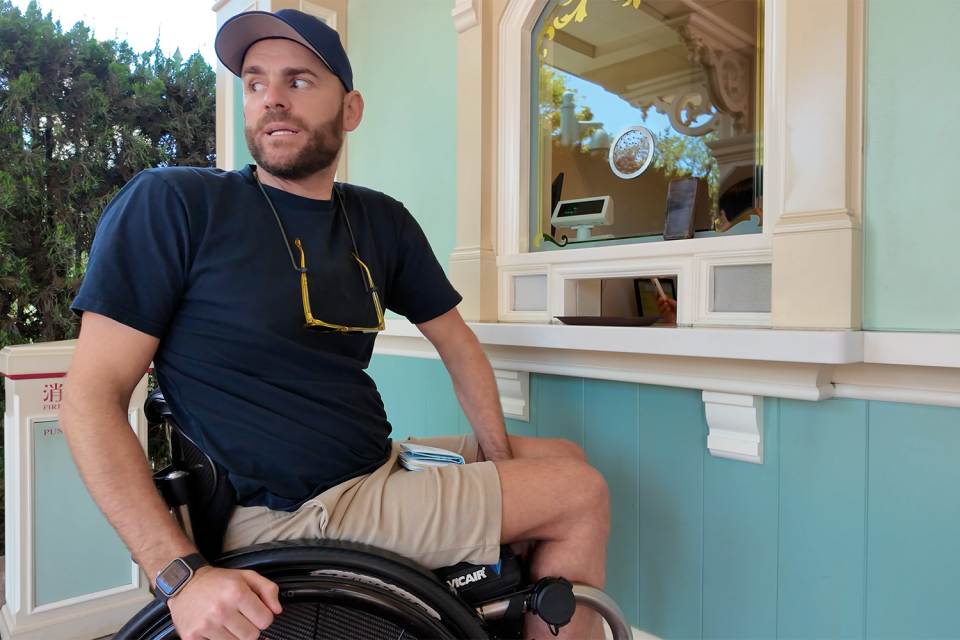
(346, 576)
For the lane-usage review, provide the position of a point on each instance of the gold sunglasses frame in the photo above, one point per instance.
(314, 324)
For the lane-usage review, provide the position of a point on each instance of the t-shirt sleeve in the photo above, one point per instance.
(139, 261)
(420, 289)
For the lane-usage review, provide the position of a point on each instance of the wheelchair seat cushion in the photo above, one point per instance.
(437, 517)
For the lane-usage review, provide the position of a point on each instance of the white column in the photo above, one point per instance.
(473, 268)
(818, 239)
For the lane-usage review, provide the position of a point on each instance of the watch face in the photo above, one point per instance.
(173, 576)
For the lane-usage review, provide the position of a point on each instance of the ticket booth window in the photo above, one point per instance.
(646, 122)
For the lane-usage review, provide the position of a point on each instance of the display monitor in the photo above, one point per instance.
(583, 214)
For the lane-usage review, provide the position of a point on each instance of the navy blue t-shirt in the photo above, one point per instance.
(195, 258)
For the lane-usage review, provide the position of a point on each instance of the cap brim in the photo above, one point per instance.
(240, 32)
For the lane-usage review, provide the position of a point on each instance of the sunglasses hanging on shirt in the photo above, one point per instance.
(313, 324)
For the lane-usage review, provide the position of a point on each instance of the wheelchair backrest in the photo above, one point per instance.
(211, 497)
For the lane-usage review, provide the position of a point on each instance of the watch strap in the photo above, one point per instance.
(195, 561)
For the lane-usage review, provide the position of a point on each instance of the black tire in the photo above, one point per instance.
(326, 586)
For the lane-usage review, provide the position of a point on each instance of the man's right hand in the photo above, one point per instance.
(224, 604)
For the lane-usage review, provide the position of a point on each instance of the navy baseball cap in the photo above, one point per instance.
(243, 30)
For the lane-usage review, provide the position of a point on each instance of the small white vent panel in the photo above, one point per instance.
(530, 293)
(742, 288)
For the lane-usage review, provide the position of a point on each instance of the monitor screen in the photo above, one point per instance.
(556, 189)
(569, 209)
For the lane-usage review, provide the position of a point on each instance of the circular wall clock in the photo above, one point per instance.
(632, 152)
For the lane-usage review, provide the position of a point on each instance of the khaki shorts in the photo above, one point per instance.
(437, 517)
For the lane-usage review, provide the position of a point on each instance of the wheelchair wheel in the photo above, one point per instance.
(333, 590)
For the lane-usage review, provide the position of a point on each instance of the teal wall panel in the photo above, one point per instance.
(418, 395)
(463, 424)
(672, 441)
(823, 474)
(401, 385)
(560, 408)
(612, 443)
(913, 540)
(404, 59)
(912, 154)
(740, 540)
(442, 409)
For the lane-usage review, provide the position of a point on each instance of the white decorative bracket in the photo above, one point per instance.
(736, 426)
(514, 388)
(466, 15)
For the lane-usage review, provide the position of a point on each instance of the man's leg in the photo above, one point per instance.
(552, 496)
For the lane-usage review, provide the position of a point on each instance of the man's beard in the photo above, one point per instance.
(321, 150)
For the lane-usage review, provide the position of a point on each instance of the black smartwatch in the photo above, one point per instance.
(175, 575)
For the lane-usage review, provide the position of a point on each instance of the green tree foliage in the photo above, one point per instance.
(78, 119)
(680, 156)
(553, 85)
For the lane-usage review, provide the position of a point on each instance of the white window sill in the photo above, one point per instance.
(766, 345)
(802, 365)
(817, 347)
(820, 347)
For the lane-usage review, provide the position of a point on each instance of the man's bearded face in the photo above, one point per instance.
(275, 151)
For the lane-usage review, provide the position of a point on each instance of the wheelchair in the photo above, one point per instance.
(337, 589)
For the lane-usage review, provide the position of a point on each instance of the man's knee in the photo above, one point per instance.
(552, 498)
(590, 502)
(599, 492)
(588, 488)
(546, 448)
(571, 450)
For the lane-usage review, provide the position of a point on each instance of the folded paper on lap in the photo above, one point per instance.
(417, 457)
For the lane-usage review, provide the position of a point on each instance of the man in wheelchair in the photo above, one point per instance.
(258, 294)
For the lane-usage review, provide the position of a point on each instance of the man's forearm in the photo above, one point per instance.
(115, 471)
(476, 389)
(473, 381)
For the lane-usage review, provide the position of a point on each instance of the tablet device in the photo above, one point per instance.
(681, 206)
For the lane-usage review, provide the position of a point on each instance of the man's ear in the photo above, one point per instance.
(352, 110)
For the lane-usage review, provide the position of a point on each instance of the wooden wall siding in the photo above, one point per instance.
(822, 512)
(740, 535)
(913, 516)
(850, 529)
(611, 411)
(670, 492)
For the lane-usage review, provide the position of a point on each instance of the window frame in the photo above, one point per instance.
(691, 260)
